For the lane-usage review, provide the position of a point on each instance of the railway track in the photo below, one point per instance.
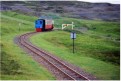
(68, 72)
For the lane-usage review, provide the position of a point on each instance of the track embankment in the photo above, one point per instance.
(61, 69)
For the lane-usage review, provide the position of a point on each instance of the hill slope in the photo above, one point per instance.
(15, 63)
(74, 9)
(97, 49)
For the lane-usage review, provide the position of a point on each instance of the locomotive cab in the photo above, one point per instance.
(43, 25)
(39, 23)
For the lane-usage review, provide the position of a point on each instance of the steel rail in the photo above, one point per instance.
(23, 40)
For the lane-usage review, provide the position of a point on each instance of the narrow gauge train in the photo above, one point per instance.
(43, 25)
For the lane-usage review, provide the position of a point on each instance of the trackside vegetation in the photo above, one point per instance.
(15, 63)
(97, 50)
(97, 47)
(90, 57)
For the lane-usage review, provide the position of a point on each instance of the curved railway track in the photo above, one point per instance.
(68, 72)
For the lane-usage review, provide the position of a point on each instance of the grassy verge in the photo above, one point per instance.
(90, 52)
(94, 52)
(15, 63)
(95, 27)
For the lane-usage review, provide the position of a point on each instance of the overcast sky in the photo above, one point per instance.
(109, 1)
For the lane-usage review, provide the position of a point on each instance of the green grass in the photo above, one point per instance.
(95, 27)
(97, 50)
(88, 52)
(102, 37)
(19, 16)
(15, 63)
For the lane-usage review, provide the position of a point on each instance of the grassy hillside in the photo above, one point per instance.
(89, 52)
(73, 9)
(95, 27)
(15, 63)
(97, 50)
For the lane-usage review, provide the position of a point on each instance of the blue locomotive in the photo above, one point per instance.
(43, 25)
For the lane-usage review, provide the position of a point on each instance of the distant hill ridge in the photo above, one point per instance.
(75, 9)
